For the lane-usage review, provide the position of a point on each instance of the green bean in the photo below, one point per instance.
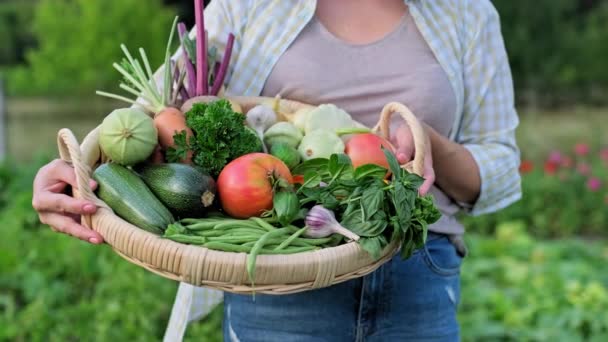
(292, 228)
(202, 225)
(190, 239)
(209, 233)
(233, 223)
(262, 223)
(290, 239)
(243, 230)
(315, 242)
(257, 247)
(229, 247)
(234, 239)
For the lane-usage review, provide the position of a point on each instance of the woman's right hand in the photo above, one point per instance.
(59, 210)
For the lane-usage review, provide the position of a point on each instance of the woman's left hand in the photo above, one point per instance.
(404, 144)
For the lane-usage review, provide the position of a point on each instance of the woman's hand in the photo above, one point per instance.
(404, 143)
(58, 210)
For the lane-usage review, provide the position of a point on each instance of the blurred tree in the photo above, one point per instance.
(78, 40)
(556, 48)
(15, 32)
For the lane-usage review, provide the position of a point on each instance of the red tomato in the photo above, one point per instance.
(245, 184)
(365, 148)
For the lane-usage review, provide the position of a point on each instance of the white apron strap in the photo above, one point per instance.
(191, 303)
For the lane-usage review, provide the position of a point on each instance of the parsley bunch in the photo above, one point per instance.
(220, 135)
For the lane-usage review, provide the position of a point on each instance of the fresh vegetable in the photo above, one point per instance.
(253, 236)
(376, 210)
(168, 122)
(367, 148)
(246, 185)
(186, 190)
(320, 144)
(130, 198)
(289, 155)
(259, 118)
(127, 136)
(321, 222)
(327, 117)
(220, 136)
(300, 117)
(283, 133)
(285, 205)
(205, 75)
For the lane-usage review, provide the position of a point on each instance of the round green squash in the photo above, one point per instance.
(128, 136)
(288, 154)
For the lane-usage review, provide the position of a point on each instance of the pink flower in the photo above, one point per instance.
(594, 183)
(555, 157)
(583, 168)
(604, 154)
(581, 149)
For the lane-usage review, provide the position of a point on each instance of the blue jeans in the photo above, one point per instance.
(411, 300)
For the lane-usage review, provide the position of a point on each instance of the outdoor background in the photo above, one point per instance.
(537, 271)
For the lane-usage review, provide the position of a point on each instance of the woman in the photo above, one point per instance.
(445, 59)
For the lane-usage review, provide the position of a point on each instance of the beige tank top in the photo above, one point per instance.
(361, 78)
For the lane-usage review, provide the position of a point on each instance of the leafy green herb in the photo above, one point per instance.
(220, 136)
(367, 204)
(373, 245)
(180, 151)
(285, 206)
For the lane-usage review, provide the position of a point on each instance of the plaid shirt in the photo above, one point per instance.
(464, 36)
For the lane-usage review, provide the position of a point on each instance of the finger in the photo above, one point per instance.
(429, 175)
(402, 158)
(92, 184)
(429, 180)
(54, 172)
(61, 203)
(67, 225)
(57, 187)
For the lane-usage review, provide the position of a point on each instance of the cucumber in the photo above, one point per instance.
(188, 191)
(129, 197)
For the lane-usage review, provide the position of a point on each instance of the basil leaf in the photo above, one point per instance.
(403, 201)
(370, 170)
(372, 200)
(318, 165)
(339, 163)
(312, 179)
(428, 211)
(355, 222)
(408, 246)
(286, 206)
(373, 245)
(412, 180)
(327, 199)
(393, 164)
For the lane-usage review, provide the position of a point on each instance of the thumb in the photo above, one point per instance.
(402, 156)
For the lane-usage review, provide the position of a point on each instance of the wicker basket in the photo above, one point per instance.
(275, 274)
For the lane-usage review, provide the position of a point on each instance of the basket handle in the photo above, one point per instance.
(69, 150)
(420, 138)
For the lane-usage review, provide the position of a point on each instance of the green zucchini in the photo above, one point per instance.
(188, 191)
(129, 197)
